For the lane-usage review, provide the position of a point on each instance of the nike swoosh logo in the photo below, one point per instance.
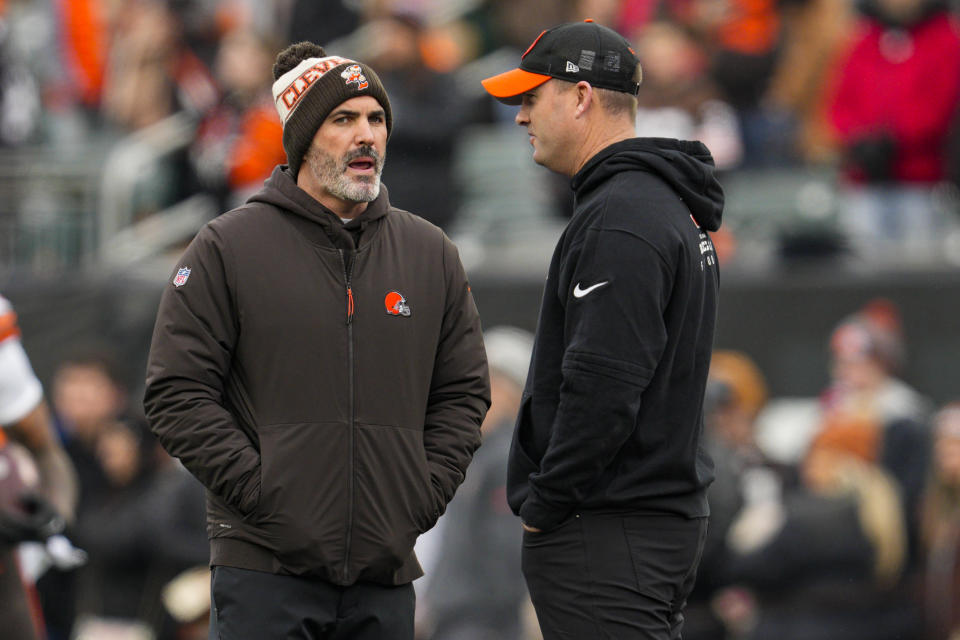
(579, 293)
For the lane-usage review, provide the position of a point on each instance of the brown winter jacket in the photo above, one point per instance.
(330, 423)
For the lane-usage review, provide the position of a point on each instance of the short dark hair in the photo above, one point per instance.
(617, 102)
(97, 356)
(612, 101)
(294, 55)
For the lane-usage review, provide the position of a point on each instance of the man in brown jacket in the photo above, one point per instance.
(317, 363)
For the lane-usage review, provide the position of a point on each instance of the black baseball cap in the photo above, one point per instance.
(573, 52)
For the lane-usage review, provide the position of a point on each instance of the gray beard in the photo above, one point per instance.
(332, 175)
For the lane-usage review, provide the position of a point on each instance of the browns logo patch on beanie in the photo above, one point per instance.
(305, 96)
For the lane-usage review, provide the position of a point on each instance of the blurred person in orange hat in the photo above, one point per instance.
(745, 480)
(832, 564)
(740, 393)
(736, 394)
(868, 351)
(833, 446)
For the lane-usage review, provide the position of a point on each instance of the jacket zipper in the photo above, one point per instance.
(350, 308)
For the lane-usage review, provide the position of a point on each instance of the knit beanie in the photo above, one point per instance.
(305, 96)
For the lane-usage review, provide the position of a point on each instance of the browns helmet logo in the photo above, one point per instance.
(396, 304)
(354, 74)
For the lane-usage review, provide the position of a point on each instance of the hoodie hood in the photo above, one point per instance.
(280, 190)
(686, 166)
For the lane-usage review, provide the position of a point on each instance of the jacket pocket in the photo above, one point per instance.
(304, 496)
(520, 464)
(521, 447)
(394, 498)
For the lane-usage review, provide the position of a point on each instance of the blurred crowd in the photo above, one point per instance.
(850, 531)
(847, 532)
(836, 516)
(140, 517)
(866, 89)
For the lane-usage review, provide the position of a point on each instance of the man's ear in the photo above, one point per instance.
(585, 97)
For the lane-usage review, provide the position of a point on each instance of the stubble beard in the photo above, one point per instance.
(333, 175)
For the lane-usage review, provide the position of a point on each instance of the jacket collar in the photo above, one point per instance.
(280, 190)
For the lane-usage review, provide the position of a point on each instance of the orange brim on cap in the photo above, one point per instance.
(509, 86)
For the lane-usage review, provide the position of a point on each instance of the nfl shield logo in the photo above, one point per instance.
(181, 278)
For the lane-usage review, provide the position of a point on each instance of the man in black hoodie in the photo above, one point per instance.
(607, 470)
(318, 364)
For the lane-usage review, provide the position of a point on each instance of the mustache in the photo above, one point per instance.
(364, 151)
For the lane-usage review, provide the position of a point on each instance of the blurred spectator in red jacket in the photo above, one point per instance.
(895, 92)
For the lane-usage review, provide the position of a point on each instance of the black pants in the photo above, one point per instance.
(252, 604)
(621, 577)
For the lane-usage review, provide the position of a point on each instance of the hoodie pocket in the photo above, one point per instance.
(394, 497)
(521, 442)
(304, 493)
(520, 464)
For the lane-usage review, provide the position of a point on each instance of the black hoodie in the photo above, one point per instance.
(611, 417)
